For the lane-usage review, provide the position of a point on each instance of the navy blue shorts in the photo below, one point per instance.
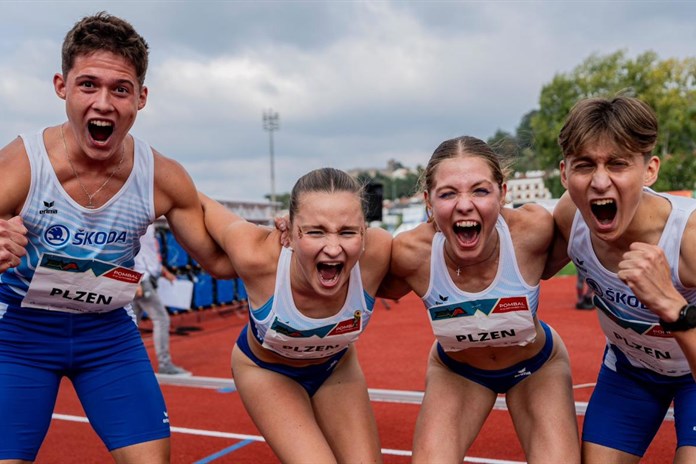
(310, 377)
(104, 357)
(501, 380)
(628, 406)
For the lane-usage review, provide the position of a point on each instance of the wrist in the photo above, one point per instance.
(675, 310)
(684, 320)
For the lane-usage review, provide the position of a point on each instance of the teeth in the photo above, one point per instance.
(466, 224)
(101, 123)
(606, 201)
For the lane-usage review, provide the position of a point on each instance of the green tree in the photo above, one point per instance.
(282, 198)
(669, 86)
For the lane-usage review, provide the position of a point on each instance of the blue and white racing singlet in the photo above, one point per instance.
(501, 315)
(280, 327)
(79, 260)
(628, 324)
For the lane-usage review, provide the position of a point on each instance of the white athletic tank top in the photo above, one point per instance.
(280, 327)
(627, 323)
(79, 260)
(501, 315)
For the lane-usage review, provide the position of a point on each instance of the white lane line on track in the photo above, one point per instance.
(240, 436)
(376, 394)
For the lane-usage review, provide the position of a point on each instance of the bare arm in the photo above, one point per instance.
(532, 231)
(13, 193)
(563, 215)
(644, 268)
(374, 262)
(410, 258)
(177, 199)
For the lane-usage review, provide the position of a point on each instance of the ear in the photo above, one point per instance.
(142, 98)
(651, 171)
(503, 194)
(564, 179)
(59, 85)
(428, 206)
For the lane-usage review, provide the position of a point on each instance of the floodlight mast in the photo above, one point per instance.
(270, 124)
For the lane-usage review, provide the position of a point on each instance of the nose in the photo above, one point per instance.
(600, 179)
(464, 203)
(332, 246)
(102, 101)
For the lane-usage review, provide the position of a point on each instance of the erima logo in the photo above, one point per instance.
(48, 208)
(166, 418)
(580, 264)
(523, 373)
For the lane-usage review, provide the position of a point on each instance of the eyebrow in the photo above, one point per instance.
(321, 227)
(478, 183)
(92, 77)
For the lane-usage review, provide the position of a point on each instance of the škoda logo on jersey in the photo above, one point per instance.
(58, 235)
(485, 307)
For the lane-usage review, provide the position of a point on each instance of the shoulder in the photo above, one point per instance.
(378, 237)
(167, 169)
(564, 213)
(530, 225)
(174, 188)
(253, 249)
(530, 215)
(688, 253)
(377, 248)
(15, 187)
(249, 237)
(13, 152)
(411, 249)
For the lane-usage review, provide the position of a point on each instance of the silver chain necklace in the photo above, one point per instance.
(90, 203)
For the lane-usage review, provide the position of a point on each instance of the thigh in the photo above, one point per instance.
(543, 411)
(151, 452)
(344, 413)
(623, 415)
(33, 350)
(27, 399)
(451, 415)
(685, 416)
(282, 411)
(118, 388)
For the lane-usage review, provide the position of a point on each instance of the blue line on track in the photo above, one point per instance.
(222, 453)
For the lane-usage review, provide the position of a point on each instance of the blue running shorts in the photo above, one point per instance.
(628, 406)
(104, 357)
(502, 380)
(310, 377)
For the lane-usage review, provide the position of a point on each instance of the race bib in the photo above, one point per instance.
(63, 283)
(319, 342)
(645, 345)
(483, 323)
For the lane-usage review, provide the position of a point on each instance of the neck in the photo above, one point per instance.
(459, 266)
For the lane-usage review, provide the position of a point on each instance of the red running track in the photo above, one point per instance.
(209, 423)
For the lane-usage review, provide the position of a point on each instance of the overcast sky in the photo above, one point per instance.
(354, 83)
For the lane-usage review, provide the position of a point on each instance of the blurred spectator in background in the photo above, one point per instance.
(149, 262)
